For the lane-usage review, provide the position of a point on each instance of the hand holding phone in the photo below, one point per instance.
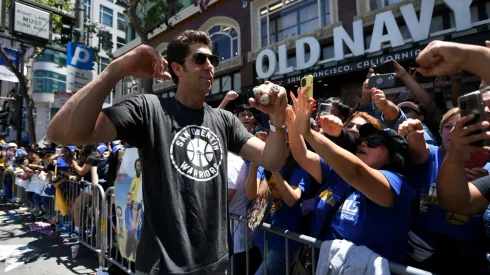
(472, 103)
(307, 81)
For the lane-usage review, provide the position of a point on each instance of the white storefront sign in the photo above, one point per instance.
(418, 27)
(31, 21)
(60, 98)
(7, 75)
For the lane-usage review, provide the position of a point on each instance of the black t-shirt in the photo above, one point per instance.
(483, 185)
(183, 155)
(92, 159)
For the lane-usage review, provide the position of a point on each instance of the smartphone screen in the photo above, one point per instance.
(472, 103)
(58, 151)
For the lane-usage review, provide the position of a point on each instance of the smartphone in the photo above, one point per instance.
(382, 81)
(472, 103)
(325, 109)
(477, 159)
(385, 68)
(58, 151)
(307, 81)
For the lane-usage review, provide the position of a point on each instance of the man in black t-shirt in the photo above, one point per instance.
(183, 145)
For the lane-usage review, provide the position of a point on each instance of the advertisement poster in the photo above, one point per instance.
(258, 209)
(129, 204)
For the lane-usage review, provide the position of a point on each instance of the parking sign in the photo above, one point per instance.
(79, 56)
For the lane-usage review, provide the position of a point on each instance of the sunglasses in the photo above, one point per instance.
(200, 59)
(372, 141)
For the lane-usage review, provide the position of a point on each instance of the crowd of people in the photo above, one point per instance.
(398, 175)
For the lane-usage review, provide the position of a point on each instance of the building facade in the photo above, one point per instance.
(335, 41)
(48, 71)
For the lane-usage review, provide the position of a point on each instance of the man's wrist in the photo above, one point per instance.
(117, 69)
(277, 121)
(455, 157)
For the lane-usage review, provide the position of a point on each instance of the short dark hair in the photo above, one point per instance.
(339, 104)
(178, 49)
(243, 108)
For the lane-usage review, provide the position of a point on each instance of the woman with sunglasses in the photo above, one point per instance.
(376, 198)
(438, 236)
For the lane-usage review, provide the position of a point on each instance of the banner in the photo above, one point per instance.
(129, 204)
(60, 98)
(7, 75)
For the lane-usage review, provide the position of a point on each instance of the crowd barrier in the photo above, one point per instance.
(98, 227)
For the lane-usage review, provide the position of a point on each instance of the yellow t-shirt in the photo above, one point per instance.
(135, 185)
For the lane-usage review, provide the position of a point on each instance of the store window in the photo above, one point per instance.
(106, 15)
(378, 4)
(86, 6)
(284, 19)
(120, 42)
(121, 22)
(226, 83)
(224, 41)
(103, 63)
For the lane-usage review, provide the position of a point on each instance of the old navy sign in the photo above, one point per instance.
(356, 66)
(419, 29)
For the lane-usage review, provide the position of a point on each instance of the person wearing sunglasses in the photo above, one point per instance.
(369, 185)
(439, 236)
(183, 144)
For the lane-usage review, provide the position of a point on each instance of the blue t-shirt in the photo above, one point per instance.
(432, 221)
(281, 214)
(362, 221)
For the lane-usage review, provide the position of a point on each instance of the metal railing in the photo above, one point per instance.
(99, 233)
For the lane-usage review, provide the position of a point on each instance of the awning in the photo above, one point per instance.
(7, 75)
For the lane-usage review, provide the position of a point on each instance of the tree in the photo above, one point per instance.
(29, 102)
(155, 13)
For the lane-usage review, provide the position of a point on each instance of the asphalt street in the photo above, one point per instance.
(26, 253)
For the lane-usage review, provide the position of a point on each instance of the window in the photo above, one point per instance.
(288, 18)
(52, 56)
(225, 41)
(103, 63)
(48, 81)
(378, 4)
(120, 42)
(121, 22)
(105, 16)
(226, 83)
(86, 6)
(105, 41)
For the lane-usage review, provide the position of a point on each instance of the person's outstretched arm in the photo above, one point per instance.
(80, 120)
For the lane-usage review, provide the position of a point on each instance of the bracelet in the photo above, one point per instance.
(277, 129)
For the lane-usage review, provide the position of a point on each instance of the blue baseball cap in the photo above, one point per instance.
(117, 148)
(72, 148)
(102, 147)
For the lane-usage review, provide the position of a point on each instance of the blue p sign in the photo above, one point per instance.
(79, 56)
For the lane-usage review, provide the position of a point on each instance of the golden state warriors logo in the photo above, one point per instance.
(457, 219)
(196, 153)
(328, 196)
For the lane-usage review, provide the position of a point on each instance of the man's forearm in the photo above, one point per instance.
(452, 185)
(224, 103)
(274, 154)
(84, 106)
(391, 112)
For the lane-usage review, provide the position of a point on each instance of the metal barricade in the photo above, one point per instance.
(314, 243)
(112, 253)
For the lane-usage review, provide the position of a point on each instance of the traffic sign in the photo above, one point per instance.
(79, 56)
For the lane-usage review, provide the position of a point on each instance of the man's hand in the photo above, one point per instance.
(331, 125)
(399, 70)
(303, 108)
(143, 62)
(274, 106)
(231, 95)
(462, 139)
(412, 72)
(475, 173)
(378, 97)
(412, 128)
(442, 58)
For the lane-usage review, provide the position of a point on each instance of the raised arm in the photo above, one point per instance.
(308, 160)
(86, 105)
(389, 109)
(418, 148)
(252, 183)
(372, 183)
(454, 191)
(290, 194)
(231, 95)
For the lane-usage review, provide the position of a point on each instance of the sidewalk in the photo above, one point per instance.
(25, 253)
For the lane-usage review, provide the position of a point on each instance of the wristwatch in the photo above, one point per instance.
(277, 129)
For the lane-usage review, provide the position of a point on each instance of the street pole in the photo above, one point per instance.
(79, 22)
(19, 100)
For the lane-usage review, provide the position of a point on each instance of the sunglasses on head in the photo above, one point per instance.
(372, 141)
(407, 110)
(200, 59)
